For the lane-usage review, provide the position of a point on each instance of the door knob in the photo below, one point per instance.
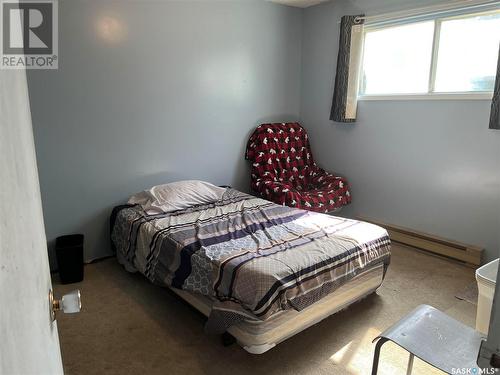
(69, 303)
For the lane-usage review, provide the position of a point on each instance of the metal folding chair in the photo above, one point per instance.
(435, 338)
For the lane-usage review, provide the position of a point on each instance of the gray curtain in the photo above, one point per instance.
(495, 103)
(340, 111)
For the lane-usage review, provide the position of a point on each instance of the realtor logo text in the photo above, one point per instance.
(29, 34)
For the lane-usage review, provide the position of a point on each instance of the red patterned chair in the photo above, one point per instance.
(284, 171)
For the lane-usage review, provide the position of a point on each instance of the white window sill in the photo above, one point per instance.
(433, 96)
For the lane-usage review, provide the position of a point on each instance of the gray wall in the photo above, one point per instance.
(172, 92)
(430, 165)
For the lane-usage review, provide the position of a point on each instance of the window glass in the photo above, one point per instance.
(397, 59)
(467, 54)
(405, 59)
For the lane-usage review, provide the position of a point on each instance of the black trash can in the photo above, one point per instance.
(69, 254)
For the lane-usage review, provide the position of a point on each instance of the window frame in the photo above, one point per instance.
(431, 93)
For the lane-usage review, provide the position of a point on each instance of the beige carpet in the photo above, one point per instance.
(469, 293)
(129, 326)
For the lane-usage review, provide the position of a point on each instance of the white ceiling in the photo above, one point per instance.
(299, 3)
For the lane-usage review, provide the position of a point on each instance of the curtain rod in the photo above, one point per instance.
(437, 9)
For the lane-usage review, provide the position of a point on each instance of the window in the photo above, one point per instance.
(441, 55)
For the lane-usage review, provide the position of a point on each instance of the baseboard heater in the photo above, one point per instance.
(468, 254)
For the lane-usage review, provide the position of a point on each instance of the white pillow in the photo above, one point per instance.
(177, 196)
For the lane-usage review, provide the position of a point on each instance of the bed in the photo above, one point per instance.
(259, 271)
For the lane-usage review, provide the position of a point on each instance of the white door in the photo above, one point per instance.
(29, 341)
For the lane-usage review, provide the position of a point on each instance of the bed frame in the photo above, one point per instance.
(257, 337)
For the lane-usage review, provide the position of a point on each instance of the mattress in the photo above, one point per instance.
(252, 258)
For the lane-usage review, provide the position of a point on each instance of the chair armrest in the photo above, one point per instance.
(273, 190)
(320, 177)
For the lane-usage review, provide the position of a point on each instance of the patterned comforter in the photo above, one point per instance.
(252, 257)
